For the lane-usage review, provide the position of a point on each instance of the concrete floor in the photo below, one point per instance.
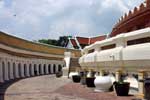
(36, 88)
(51, 88)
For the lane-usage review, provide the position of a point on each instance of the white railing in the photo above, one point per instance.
(122, 54)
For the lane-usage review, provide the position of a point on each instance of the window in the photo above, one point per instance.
(138, 41)
(90, 51)
(108, 47)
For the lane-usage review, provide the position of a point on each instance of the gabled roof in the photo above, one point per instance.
(78, 41)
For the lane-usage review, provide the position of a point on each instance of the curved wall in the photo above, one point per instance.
(20, 58)
(21, 44)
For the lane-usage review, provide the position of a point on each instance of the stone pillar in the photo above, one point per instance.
(1, 72)
(141, 77)
(27, 67)
(42, 69)
(32, 69)
(101, 72)
(89, 74)
(17, 70)
(22, 70)
(11, 70)
(6, 71)
(52, 71)
(118, 75)
(47, 71)
(57, 68)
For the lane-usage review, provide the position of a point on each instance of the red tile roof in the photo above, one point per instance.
(73, 42)
(83, 40)
(87, 41)
(99, 38)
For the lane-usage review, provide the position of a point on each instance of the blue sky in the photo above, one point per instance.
(37, 19)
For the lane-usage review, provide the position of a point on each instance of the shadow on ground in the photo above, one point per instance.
(4, 86)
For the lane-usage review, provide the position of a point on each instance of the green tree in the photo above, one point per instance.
(62, 41)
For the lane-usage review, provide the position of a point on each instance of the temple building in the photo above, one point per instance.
(21, 58)
(81, 42)
(124, 54)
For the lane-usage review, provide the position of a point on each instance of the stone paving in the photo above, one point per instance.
(51, 88)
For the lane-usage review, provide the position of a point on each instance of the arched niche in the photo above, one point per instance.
(35, 70)
(25, 70)
(49, 68)
(9, 70)
(40, 69)
(19, 69)
(54, 68)
(30, 69)
(14, 70)
(3, 70)
(59, 68)
(44, 68)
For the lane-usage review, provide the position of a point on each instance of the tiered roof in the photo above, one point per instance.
(84, 41)
(134, 20)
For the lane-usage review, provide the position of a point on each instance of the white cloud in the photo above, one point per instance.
(32, 19)
(70, 27)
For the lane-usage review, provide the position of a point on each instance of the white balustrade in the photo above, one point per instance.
(120, 54)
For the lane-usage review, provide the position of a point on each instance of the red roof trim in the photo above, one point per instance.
(73, 42)
(99, 38)
(83, 40)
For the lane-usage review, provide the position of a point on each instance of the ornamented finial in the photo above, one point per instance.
(130, 13)
(125, 16)
(135, 10)
(142, 6)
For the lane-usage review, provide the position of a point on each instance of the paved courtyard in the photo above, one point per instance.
(50, 88)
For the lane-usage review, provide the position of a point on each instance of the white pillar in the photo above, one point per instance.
(47, 71)
(52, 71)
(42, 69)
(56, 67)
(27, 70)
(62, 65)
(32, 69)
(16, 70)
(22, 70)
(141, 76)
(1, 72)
(37, 69)
(11, 73)
(6, 71)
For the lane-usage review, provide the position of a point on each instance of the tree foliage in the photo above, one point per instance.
(62, 41)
